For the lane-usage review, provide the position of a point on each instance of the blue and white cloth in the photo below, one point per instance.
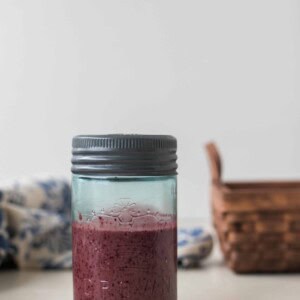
(35, 224)
(194, 245)
(35, 227)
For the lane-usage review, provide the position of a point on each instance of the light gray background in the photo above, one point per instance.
(200, 70)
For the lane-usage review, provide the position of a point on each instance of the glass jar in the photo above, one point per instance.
(124, 205)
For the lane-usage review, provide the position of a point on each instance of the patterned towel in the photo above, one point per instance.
(194, 245)
(35, 227)
(35, 219)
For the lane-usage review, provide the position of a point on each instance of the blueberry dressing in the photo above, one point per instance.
(113, 262)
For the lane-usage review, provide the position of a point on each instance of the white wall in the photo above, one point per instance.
(200, 70)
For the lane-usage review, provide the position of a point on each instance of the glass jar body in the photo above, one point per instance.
(124, 237)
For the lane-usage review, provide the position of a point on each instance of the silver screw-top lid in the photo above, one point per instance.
(124, 155)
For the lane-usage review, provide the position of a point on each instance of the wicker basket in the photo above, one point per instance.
(258, 223)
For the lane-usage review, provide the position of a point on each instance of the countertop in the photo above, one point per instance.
(212, 282)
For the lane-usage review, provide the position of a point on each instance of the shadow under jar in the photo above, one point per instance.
(124, 205)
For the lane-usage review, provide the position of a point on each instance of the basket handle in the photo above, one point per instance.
(215, 162)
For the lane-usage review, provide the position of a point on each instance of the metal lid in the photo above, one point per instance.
(124, 155)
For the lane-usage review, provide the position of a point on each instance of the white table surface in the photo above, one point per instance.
(212, 282)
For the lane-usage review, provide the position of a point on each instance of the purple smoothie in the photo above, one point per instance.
(112, 262)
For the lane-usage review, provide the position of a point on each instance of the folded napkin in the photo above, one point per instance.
(194, 245)
(35, 227)
(35, 219)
